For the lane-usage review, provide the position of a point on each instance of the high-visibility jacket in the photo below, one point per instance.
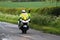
(24, 16)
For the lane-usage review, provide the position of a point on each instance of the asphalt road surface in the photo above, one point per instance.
(10, 31)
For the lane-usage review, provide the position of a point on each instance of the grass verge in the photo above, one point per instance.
(46, 29)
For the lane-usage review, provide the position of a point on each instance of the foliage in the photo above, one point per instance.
(8, 18)
(41, 18)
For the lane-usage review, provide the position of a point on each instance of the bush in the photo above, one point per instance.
(44, 11)
(55, 11)
(13, 11)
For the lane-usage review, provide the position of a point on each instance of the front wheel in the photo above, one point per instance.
(24, 31)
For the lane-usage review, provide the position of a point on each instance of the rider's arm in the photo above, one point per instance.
(19, 17)
(29, 17)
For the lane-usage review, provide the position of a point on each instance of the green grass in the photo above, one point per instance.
(46, 29)
(8, 18)
(28, 4)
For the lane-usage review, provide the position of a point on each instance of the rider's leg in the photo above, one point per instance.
(19, 24)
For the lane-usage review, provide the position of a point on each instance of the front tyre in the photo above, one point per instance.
(24, 31)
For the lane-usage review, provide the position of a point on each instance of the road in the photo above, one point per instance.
(10, 31)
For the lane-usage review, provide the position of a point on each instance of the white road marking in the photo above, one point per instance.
(27, 36)
(4, 39)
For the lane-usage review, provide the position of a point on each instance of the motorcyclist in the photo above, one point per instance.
(23, 16)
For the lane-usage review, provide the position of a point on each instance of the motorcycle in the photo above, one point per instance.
(24, 25)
